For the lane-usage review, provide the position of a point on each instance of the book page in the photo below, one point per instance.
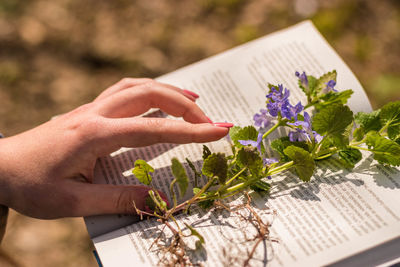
(337, 215)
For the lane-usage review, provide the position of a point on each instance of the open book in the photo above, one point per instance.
(339, 218)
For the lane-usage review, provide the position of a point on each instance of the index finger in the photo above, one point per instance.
(136, 101)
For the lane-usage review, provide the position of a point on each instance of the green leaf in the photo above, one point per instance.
(385, 150)
(322, 81)
(206, 152)
(260, 186)
(216, 165)
(350, 156)
(196, 190)
(148, 201)
(332, 120)
(303, 162)
(180, 175)
(358, 134)
(334, 98)
(155, 203)
(340, 140)
(197, 174)
(249, 157)
(142, 171)
(246, 133)
(280, 144)
(312, 85)
(194, 232)
(390, 117)
(369, 121)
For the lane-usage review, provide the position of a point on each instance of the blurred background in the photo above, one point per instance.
(56, 55)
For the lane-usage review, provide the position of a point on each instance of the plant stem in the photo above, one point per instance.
(171, 189)
(194, 198)
(273, 128)
(176, 223)
(280, 168)
(222, 187)
(358, 147)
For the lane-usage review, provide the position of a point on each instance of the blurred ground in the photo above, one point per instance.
(56, 55)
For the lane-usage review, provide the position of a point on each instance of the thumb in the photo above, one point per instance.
(96, 199)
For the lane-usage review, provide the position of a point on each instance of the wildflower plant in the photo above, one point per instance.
(323, 127)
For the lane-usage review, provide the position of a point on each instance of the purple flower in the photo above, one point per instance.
(252, 143)
(275, 107)
(303, 78)
(278, 95)
(269, 161)
(262, 119)
(277, 100)
(290, 111)
(298, 136)
(330, 87)
(305, 133)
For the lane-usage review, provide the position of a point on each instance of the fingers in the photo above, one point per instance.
(138, 132)
(131, 83)
(137, 100)
(121, 85)
(97, 199)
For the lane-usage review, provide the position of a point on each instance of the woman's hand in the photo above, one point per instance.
(47, 172)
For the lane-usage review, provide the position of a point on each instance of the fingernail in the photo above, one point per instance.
(209, 120)
(191, 93)
(223, 124)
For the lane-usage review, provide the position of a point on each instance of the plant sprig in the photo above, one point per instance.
(333, 130)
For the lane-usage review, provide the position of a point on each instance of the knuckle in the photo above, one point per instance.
(146, 80)
(126, 81)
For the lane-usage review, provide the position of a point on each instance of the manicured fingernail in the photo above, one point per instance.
(223, 124)
(191, 93)
(209, 120)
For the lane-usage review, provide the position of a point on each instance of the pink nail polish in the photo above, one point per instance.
(191, 93)
(223, 124)
(209, 120)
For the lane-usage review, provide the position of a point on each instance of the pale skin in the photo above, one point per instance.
(47, 172)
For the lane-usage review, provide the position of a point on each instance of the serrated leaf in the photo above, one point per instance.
(369, 121)
(194, 232)
(216, 165)
(312, 85)
(390, 117)
(358, 134)
(249, 157)
(332, 120)
(260, 186)
(334, 98)
(180, 175)
(280, 144)
(322, 81)
(142, 171)
(340, 140)
(350, 156)
(246, 133)
(206, 152)
(303, 162)
(385, 150)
